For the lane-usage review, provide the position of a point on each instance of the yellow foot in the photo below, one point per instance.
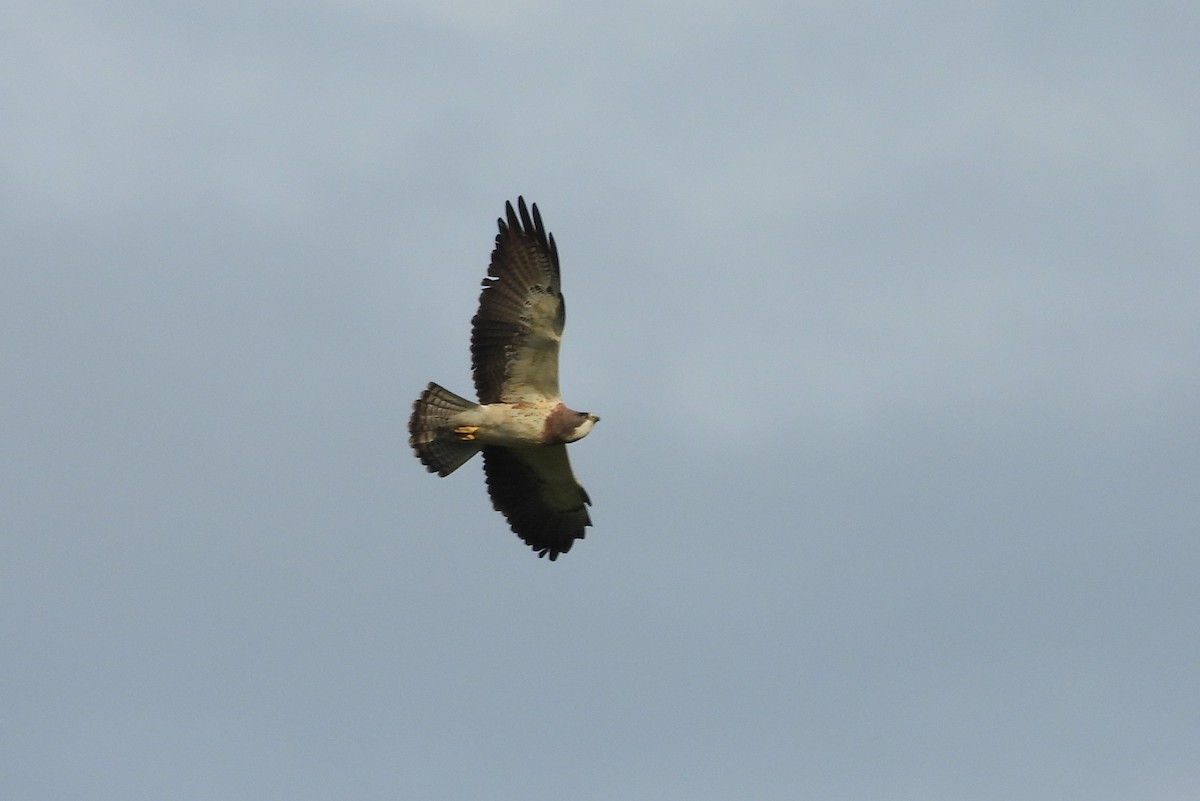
(466, 433)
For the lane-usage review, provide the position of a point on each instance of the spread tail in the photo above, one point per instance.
(430, 434)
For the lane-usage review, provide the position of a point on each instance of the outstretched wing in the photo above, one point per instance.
(515, 333)
(535, 489)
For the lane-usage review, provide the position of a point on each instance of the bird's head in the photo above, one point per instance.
(586, 421)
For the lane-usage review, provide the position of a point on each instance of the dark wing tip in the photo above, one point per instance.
(526, 220)
(510, 221)
(519, 219)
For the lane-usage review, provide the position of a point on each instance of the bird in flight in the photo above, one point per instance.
(520, 422)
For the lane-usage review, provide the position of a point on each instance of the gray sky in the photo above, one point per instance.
(890, 312)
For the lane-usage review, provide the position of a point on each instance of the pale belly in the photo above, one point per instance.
(507, 425)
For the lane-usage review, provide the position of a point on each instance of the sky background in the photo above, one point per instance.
(891, 312)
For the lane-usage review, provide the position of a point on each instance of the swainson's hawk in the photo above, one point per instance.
(520, 422)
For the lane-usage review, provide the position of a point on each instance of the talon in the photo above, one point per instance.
(466, 433)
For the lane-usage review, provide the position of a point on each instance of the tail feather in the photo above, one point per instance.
(429, 430)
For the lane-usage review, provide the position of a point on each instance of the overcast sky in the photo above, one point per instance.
(891, 312)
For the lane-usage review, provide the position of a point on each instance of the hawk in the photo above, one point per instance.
(520, 423)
